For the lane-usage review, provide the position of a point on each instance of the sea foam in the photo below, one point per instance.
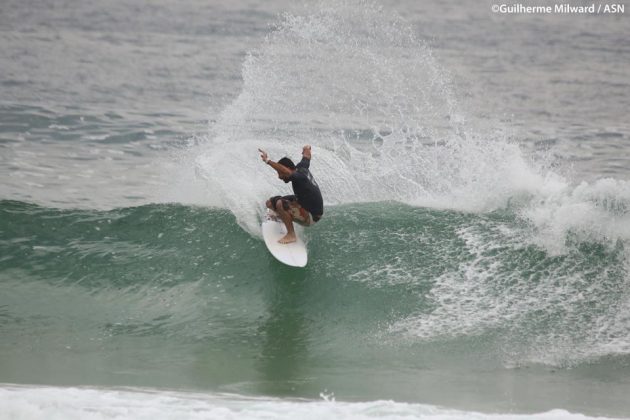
(31, 402)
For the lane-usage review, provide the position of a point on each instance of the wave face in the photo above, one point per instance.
(537, 262)
(170, 295)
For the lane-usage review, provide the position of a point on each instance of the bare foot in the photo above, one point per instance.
(288, 238)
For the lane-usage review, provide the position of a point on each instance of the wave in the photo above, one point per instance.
(419, 274)
(537, 263)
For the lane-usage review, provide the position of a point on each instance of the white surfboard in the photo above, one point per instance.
(293, 254)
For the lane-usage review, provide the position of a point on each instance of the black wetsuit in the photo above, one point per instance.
(306, 189)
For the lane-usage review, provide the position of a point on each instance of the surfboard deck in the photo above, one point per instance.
(293, 254)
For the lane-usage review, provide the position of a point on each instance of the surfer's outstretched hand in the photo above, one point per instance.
(263, 155)
(306, 151)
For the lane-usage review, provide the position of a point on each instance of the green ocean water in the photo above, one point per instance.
(181, 297)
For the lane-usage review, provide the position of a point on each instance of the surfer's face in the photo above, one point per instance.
(284, 177)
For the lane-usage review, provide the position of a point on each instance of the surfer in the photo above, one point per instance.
(306, 206)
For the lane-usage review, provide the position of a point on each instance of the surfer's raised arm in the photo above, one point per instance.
(281, 169)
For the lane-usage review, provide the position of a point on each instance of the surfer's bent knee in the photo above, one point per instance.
(278, 203)
(272, 202)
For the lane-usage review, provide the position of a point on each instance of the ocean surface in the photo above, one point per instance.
(474, 256)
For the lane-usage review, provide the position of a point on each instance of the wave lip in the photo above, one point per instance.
(35, 402)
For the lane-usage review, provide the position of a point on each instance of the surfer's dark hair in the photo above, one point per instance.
(285, 161)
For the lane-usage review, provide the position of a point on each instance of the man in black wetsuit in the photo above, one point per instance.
(306, 206)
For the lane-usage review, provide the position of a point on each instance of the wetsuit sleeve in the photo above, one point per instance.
(304, 163)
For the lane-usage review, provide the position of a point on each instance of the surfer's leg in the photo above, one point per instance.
(286, 217)
(271, 203)
(299, 214)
